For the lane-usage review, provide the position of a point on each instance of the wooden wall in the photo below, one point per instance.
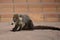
(38, 10)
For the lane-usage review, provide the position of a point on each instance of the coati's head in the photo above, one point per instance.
(18, 19)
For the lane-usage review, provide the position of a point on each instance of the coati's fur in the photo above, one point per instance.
(22, 22)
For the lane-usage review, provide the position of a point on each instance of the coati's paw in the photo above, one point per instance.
(13, 30)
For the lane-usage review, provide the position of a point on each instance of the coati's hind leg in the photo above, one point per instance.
(30, 24)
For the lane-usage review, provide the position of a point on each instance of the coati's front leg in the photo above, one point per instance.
(15, 28)
(19, 28)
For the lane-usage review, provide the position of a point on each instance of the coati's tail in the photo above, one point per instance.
(46, 27)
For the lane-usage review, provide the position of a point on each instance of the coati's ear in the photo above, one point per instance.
(15, 15)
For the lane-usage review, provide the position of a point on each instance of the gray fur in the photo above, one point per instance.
(26, 22)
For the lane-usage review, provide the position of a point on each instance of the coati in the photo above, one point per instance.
(22, 22)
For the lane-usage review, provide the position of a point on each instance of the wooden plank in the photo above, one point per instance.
(5, 1)
(49, 6)
(19, 1)
(51, 15)
(20, 6)
(35, 10)
(49, 9)
(57, 0)
(6, 19)
(33, 0)
(35, 6)
(20, 10)
(51, 19)
(6, 15)
(48, 0)
(6, 10)
(5, 5)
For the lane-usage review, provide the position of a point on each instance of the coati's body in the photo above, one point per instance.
(22, 22)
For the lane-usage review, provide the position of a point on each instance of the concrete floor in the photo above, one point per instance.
(6, 34)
